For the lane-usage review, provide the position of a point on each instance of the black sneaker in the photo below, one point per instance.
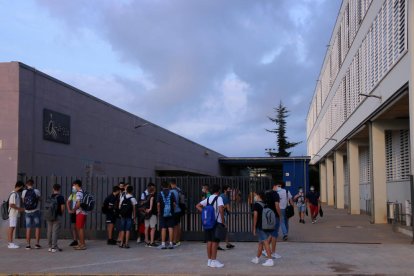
(229, 246)
(126, 246)
(219, 248)
(37, 246)
(285, 237)
(73, 243)
(28, 247)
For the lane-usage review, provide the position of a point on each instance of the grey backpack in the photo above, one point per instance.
(268, 218)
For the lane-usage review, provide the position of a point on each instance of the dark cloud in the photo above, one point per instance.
(216, 68)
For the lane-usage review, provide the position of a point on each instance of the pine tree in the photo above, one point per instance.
(281, 140)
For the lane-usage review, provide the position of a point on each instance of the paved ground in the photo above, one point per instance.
(337, 244)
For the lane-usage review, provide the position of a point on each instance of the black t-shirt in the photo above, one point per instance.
(111, 202)
(161, 201)
(259, 209)
(271, 198)
(313, 197)
(154, 204)
(60, 201)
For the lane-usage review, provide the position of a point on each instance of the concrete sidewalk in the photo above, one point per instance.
(337, 244)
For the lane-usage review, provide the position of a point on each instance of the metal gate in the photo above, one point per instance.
(240, 218)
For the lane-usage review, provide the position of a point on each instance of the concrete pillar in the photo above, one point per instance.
(330, 181)
(411, 81)
(322, 175)
(378, 172)
(339, 179)
(353, 170)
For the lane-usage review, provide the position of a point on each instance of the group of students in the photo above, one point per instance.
(164, 208)
(26, 199)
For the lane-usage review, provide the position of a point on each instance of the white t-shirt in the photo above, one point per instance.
(144, 195)
(79, 197)
(133, 200)
(14, 199)
(283, 199)
(216, 205)
(37, 192)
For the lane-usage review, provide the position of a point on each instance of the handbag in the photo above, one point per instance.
(220, 231)
(320, 212)
(290, 211)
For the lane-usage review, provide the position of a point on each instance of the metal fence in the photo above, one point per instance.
(239, 222)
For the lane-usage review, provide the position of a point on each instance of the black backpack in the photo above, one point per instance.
(51, 208)
(5, 208)
(126, 208)
(30, 199)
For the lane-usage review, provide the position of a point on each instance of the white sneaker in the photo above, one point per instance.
(216, 264)
(12, 246)
(209, 262)
(269, 262)
(264, 253)
(50, 249)
(53, 250)
(255, 260)
(276, 256)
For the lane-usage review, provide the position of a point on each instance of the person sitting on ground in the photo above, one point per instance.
(264, 236)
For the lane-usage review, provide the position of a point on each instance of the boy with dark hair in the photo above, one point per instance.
(70, 205)
(53, 225)
(31, 201)
(177, 213)
(143, 202)
(128, 216)
(225, 195)
(150, 218)
(14, 210)
(272, 201)
(80, 215)
(212, 241)
(110, 209)
(165, 205)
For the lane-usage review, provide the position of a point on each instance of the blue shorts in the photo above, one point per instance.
(126, 224)
(275, 233)
(263, 235)
(33, 219)
(301, 208)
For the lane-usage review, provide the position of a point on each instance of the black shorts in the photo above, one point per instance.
(167, 222)
(110, 218)
(209, 235)
(73, 218)
(177, 218)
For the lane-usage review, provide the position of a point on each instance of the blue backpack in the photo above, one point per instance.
(30, 199)
(208, 215)
(167, 204)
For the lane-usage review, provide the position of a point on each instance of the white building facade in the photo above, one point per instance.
(359, 120)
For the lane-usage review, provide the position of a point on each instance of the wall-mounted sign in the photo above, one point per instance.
(56, 126)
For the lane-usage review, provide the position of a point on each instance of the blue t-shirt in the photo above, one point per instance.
(177, 208)
(226, 199)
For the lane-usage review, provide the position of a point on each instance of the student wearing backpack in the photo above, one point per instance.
(165, 206)
(143, 205)
(14, 211)
(177, 213)
(31, 201)
(150, 218)
(70, 205)
(127, 211)
(212, 209)
(273, 201)
(110, 209)
(80, 215)
(264, 235)
(54, 208)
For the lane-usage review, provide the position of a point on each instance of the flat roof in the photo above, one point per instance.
(260, 161)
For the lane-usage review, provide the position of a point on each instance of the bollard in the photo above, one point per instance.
(408, 214)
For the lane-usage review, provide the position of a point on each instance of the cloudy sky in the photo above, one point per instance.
(209, 70)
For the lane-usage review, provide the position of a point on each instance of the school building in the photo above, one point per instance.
(359, 120)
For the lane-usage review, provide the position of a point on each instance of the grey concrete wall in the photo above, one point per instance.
(9, 109)
(102, 136)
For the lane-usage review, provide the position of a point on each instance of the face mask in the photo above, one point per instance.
(74, 190)
(278, 188)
